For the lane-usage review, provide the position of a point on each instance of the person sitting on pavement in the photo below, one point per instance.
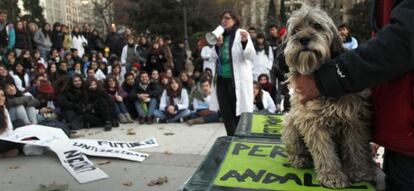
(44, 93)
(21, 106)
(7, 149)
(73, 102)
(145, 95)
(118, 96)
(263, 103)
(173, 103)
(103, 108)
(201, 100)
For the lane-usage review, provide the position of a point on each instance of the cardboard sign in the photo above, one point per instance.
(72, 153)
(267, 124)
(264, 166)
(260, 125)
(77, 164)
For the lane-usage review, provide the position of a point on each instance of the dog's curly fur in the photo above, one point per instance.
(330, 133)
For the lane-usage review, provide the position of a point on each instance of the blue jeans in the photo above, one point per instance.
(180, 114)
(26, 114)
(120, 108)
(151, 105)
(213, 117)
(399, 170)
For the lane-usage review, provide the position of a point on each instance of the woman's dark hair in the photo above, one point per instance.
(233, 15)
(190, 81)
(260, 94)
(69, 84)
(129, 74)
(3, 117)
(10, 83)
(263, 75)
(106, 83)
(98, 84)
(174, 94)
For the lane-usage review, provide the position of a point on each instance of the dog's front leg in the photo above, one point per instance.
(327, 163)
(298, 154)
(356, 153)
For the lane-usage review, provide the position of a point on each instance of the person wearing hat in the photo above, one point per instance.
(44, 93)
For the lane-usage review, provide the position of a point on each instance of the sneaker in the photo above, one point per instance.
(33, 150)
(182, 120)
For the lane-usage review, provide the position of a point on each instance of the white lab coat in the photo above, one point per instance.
(262, 63)
(208, 60)
(243, 77)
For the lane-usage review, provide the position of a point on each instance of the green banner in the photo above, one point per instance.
(264, 166)
(267, 124)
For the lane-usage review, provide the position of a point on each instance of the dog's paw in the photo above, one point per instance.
(361, 175)
(300, 162)
(334, 180)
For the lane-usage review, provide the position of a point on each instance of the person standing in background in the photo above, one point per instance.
(233, 92)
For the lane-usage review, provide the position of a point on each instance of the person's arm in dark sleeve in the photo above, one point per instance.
(383, 58)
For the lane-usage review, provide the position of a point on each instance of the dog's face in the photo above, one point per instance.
(312, 39)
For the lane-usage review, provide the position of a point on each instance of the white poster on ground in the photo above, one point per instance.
(72, 153)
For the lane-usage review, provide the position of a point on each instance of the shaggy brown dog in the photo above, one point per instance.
(331, 133)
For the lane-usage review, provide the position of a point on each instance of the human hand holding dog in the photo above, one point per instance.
(305, 86)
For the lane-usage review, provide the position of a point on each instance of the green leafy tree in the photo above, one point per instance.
(271, 14)
(13, 11)
(35, 11)
(161, 17)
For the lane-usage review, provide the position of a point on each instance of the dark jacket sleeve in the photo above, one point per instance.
(133, 94)
(385, 57)
(155, 90)
(16, 101)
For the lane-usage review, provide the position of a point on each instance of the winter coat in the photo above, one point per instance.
(23, 40)
(115, 42)
(42, 41)
(26, 99)
(154, 90)
(242, 75)
(57, 40)
(180, 103)
(208, 60)
(67, 42)
(78, 42)
(262, 63)
(19, 83)
(268, 103)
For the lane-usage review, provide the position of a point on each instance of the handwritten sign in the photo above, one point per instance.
(264, 166)
(72, 153)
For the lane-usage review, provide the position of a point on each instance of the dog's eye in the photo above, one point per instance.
(296, 29)
(317, 26)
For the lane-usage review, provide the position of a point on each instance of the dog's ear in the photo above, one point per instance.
(336, 45)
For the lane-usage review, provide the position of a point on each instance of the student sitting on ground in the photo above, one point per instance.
(173, 103)
(118, 95)
(145, 95)
(201, 102)
(21, 106)
(263, 103)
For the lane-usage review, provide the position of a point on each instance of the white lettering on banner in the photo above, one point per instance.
(72, 153)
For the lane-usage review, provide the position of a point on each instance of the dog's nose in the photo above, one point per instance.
(304, 41)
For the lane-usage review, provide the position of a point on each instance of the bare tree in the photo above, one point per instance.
(103, 8)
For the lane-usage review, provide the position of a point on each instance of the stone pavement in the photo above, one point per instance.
(182, 149)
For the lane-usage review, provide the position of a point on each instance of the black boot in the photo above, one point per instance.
(115, 123)
(108, 126)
